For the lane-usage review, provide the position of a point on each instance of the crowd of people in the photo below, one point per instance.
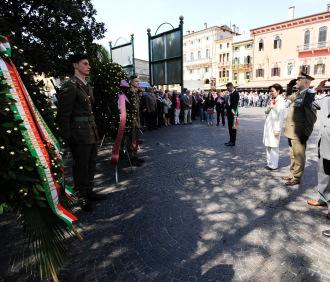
(164, 108)
(155, 108)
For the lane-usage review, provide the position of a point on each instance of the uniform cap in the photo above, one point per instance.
(304, 75)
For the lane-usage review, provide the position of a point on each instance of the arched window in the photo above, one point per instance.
(207, 81)
(261, 45)
(277, 42)
(199, 55)
(191, 56)
(248, 59)
(307, 39)
(322, 36)
(207, 53)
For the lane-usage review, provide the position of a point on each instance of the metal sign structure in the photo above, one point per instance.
(124, 55)
(166, 56)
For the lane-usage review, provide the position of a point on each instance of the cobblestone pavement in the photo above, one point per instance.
(200, 211)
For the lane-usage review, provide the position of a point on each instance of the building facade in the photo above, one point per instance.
(242, 58)
(142, 69)
(283, 49)
(200, 56)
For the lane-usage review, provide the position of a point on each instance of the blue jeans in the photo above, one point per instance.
(210, 117)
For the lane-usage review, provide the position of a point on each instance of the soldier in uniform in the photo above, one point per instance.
(323, 187)
(78, 129)
(134, 98)
(299, 125)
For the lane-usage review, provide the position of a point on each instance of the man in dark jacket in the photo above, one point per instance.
(78, 129)
(232, 113)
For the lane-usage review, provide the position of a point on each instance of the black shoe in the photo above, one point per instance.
(96, 197)
(85, 204)
(230, 144)
(269, 168)
(135, 163)
(226, 144)
(138, 160)
(326, 233)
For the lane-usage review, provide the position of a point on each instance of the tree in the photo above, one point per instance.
(105, 78)
(50, 30)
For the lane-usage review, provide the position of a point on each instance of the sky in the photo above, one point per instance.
(124, 17)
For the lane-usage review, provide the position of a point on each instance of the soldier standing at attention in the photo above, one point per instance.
(299, 125)
(78, 129)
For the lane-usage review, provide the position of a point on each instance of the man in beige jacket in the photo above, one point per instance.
(299, 125)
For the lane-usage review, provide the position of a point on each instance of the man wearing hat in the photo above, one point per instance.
(323, 175)
(299, 125)
(78, 129)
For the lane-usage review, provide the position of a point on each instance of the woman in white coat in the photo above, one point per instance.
(273, 126)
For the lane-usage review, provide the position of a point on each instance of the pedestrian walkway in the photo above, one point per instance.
(200, 211)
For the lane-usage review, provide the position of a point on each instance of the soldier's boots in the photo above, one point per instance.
(92, 196)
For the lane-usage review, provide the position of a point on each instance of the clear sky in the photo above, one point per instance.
(124, 17)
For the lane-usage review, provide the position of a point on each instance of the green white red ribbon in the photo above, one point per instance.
(5, 48)
(36, 135)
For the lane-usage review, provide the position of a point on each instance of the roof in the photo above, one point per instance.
(222, 27)
(288, 21)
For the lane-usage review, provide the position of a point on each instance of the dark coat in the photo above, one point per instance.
(75, 114)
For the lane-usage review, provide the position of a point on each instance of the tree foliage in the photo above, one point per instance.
(50, 30)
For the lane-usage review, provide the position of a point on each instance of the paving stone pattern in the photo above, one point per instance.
(200, 211)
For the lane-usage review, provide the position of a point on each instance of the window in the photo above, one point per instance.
(220, 58)
(260, 73)
(207, 81)
(319, 68)
(247, 75)
(227, 73)
(247, 59)
(191, 42)
(227, 44)
(191, 56)
(223, 73)
(276, 71)
(220, 74)
(227, 57)
(206, 69)
(207, 38)
(190, 71)
(277, 42)
(220, 46)
(261, 45)
(290, 68)
(207, 53)
(306, 69)
(236, 48)
(199, 54)
(236, 61)
(199, 40)
(307, 39)
(248, 46)
(235, 76)
(322, 36)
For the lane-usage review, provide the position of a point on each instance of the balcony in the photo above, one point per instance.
(315, 46)
(242, 67)
(223, 80)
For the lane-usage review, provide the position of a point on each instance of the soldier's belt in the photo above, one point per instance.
(84, 119)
